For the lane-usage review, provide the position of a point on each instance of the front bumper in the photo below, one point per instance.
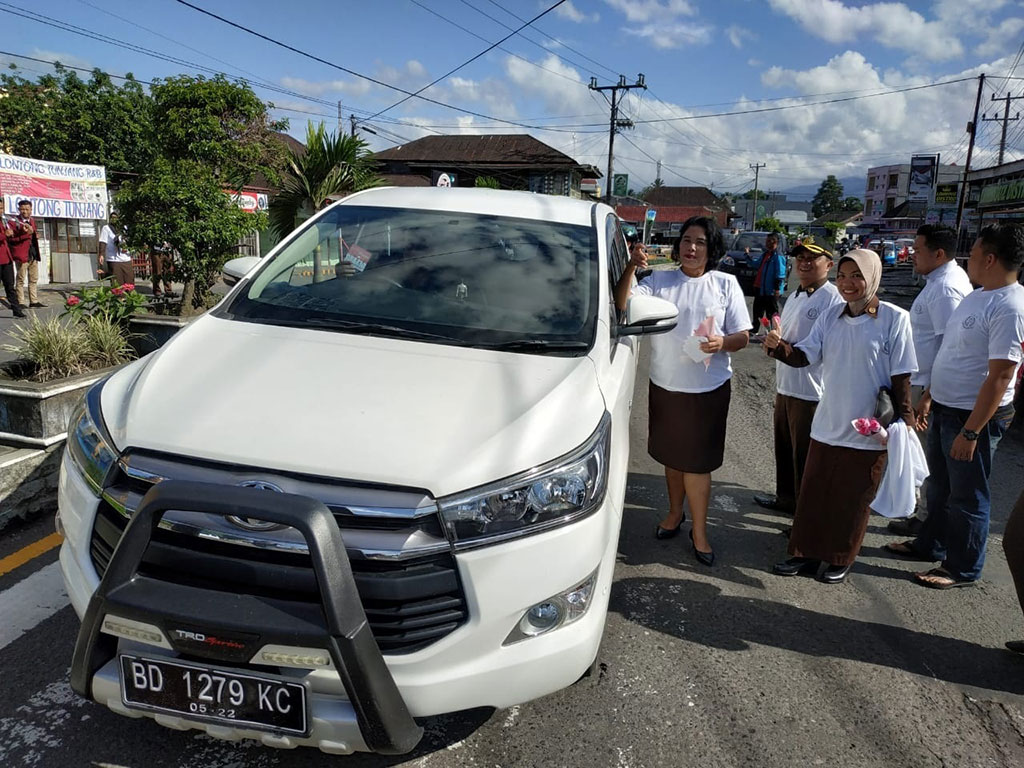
(469, 668)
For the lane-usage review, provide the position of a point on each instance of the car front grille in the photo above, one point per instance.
(412, 598)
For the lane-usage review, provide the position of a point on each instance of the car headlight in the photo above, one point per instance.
(88, 445)
(557, 493)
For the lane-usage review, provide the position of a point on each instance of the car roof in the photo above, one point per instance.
(495, 202)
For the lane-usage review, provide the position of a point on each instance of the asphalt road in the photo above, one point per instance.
(728, 666)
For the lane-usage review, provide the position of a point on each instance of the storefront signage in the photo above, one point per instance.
(56, 190)
(1007, 192)
(922, 176)
(945, 194)
(249, 201)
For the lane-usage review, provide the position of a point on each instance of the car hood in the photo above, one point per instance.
(369, 409)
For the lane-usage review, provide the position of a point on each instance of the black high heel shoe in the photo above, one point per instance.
(668, 533)
(704, 558)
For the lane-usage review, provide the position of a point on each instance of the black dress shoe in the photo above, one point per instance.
(19, 312)
(37, 305)
(835, 574)
(704, 558)
(909, 526)
(796, 566)
(667, 533)
(1017, 646)
(773, 503)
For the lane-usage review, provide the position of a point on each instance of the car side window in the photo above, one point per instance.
(618, 258)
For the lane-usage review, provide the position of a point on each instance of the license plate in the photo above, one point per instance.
(213, 695)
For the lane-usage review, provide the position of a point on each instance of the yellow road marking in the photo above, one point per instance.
(32, 551)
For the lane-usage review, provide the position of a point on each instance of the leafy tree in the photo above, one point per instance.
(829, 197)
(61, 117)
(832, 229)
(762, 194)
(487, 181)
(853, 204)
(210, 136)
(769, 224)
(332, 165)
(656, 184)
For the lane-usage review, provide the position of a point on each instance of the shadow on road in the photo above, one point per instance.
(736, 623)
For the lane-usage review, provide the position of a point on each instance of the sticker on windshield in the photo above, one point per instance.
(353, 254)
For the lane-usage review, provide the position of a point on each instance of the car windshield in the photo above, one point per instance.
(752, 240)
(450, 277)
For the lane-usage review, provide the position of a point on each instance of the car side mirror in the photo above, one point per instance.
(648, 314)
(236, 269)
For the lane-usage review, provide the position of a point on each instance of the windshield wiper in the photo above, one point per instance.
(354, 326)
(545, 345)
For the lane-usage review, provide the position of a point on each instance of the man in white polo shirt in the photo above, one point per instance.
(971, 396)
(112, 259)
(798, 390)
(946, 286)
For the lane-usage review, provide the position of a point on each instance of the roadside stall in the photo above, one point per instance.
(69, 204)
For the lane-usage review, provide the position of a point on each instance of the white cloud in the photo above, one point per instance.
(738, 34)
(643, 11)
(569, 11)
(1002, 38)
(322, 87)
(674, 35)
(893, 25)
(67, 59)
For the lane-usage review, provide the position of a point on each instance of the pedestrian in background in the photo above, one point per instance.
(770, 281)
(945, 287)
(798, 390)
(7, 268)
(114, 262)
(689, 393)
(24, 246)
(971, 403)
(161, 262)
(862, 348)
(1013, 548)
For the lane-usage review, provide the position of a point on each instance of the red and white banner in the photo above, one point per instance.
(249, 201)
(56, 190)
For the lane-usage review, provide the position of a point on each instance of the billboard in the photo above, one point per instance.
(923, 170)
(620, 184)
(56, 190)
(249, 201)
(945, 194)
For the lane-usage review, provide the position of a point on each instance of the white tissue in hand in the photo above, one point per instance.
(691, 347)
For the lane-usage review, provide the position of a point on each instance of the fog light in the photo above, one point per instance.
(130, 629)
(557, 611)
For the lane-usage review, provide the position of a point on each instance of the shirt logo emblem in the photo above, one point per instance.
(723, 300)
(812, 313)
(919, 308)
(969, 322)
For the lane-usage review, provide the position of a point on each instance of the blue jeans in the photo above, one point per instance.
(958, 493)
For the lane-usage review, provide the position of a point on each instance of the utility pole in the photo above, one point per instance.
(756, 168)
(972, 128)
(657, 173)
(339, 116)
(1006, 119)
(614, 123)
(352, 119)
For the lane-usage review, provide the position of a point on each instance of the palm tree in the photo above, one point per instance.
(331, 165)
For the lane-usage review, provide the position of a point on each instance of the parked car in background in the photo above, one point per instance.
(889, 254)
(743, 257)
(430, 525)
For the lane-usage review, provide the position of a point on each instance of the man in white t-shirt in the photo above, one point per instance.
(946, 286)
(798, 390)
(112, 259)
(971, 403)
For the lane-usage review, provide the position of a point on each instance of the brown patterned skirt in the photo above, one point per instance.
(686, 430)
(832, 507)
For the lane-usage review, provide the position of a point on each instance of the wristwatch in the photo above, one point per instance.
(969, 434)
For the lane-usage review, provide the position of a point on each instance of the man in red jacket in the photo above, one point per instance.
(25, 250)
(7, 267)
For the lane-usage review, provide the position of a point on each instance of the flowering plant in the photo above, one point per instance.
(871, 428)
(117, 303)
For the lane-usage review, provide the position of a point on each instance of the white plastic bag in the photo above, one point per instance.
(906, 470)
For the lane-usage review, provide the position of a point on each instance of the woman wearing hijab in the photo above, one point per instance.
(690, 377)
(863, 347)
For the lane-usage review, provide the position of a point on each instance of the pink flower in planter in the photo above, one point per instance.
(128, 286)
(73, 300)
(117, 290)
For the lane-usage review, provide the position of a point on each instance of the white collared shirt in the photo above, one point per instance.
(801, 310)
(988, 325)
(945, 288)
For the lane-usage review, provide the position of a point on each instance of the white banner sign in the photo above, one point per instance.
(56, 190)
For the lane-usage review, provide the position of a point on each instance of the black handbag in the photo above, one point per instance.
(884, 414)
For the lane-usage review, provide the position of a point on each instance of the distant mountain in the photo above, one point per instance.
(853, 186)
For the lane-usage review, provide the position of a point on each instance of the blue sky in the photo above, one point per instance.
(700, 58)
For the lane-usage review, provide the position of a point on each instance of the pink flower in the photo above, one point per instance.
(73, 300)
(117, 290)
(866, 427)
(129, 286)
(764, 322)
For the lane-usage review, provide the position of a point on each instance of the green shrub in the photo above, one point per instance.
(117, 303)
(54, 349)
(106, 342)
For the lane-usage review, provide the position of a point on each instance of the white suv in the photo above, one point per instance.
(382, 479)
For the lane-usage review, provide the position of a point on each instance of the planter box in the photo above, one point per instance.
(36, 414)
(150, 332)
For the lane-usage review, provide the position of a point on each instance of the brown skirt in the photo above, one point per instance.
(832, 507)
(686, 430)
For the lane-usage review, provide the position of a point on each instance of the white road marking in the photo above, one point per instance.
(30, 601)
(28, 738)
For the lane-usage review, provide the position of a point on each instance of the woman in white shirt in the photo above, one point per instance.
(690, 377)
(864, 346)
